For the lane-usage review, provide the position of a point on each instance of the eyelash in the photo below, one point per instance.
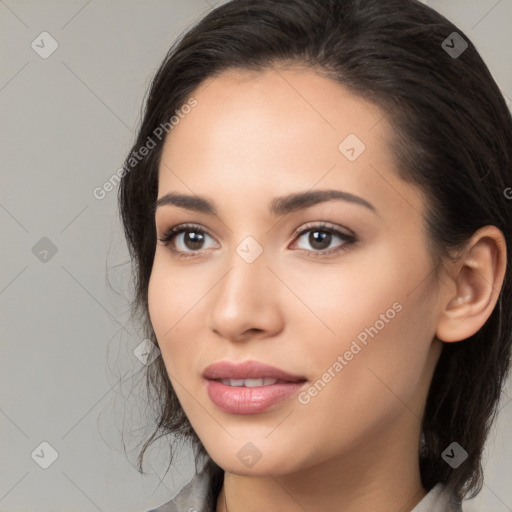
(349, 240)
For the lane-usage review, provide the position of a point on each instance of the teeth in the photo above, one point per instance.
(248, 383)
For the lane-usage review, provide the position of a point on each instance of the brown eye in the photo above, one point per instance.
(185, 239)
(320, 238)
(193, 240)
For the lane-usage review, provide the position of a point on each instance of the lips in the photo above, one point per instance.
(248, 370)
(250, 387)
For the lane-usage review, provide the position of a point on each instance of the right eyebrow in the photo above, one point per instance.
(195, 203)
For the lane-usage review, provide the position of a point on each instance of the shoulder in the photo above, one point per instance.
(197, 496)
(439, 499)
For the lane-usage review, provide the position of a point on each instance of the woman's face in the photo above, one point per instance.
(349, 305)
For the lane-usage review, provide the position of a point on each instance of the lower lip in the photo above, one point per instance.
(243, 400)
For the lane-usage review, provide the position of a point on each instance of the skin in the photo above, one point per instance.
(354, 446)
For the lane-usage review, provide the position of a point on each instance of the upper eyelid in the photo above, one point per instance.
(327, 226)
(308, 225)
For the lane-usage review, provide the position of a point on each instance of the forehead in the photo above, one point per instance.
(297, 98)
(277, 131)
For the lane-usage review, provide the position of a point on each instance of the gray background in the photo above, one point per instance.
(68, 373)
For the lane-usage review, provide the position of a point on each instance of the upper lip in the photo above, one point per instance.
(247, 370)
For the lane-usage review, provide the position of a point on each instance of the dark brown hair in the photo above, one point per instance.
(453, 138)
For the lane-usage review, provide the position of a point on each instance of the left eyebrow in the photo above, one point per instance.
(298, 201)
(279, 206)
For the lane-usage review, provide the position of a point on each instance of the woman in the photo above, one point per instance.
(316, 208)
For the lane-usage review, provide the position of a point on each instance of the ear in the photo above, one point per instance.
(476, 280)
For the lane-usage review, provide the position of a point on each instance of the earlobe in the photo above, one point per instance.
(478, 277)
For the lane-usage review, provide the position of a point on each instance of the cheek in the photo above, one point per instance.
(172, 294)
(160, 299)
(359, 387)
(345, 298)
(379, 372)
(170, 302)
(178, 305)
(374, 316)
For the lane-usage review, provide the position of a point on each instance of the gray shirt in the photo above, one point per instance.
(194, 498)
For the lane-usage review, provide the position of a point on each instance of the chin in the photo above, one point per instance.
(273, 465)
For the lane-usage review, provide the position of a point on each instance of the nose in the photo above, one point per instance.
(246, 302)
